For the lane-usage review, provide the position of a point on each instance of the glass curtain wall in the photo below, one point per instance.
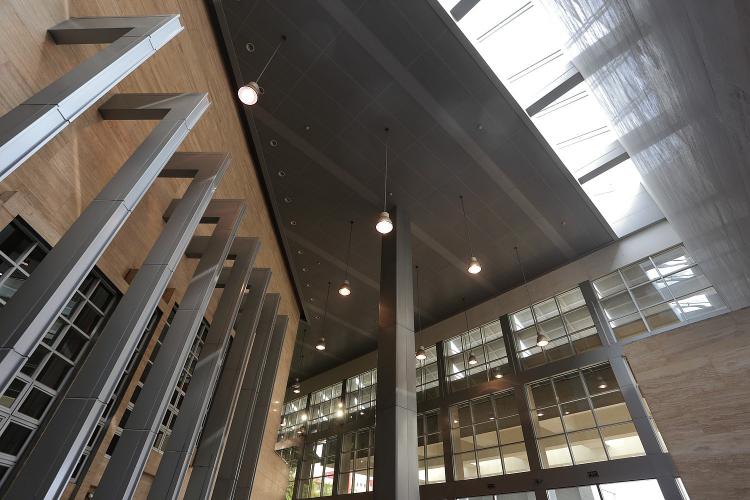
(430, 449)
(564, 319)
(581, 417)
(428, 386)
(360, 395)
(487, 438)
(476, 356)
(326, 406)
(318, 468)
(293, 418)
(357, 461)
(657, 292)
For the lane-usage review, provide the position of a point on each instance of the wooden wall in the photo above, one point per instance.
(695, 380)
(61, 179)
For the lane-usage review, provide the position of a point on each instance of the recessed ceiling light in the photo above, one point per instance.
(305, 269)
(307, 285)
(281, 173)
(293, 222)
(287, 199)
(250, 47)
(300, 251)
(317, 317)
(312, 299)
(307, 127)
(274, 143)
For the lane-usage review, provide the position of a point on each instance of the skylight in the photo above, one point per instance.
(523, 45)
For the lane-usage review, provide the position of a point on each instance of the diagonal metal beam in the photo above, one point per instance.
(558, 88)
(175, 459)
(226, 399)
(34, 122)
(611, 158)
(126, 465)
(26, 317)
(46, 470)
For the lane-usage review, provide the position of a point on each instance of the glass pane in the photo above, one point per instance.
(699, 304)
(510, 430)
(600, 379)
(87, 319)
(571, 300)
(35, 403)
(586, 446)
(495, 350)
(628, 326)
(486, 435)
(520, 320)
(622, 441)
(610, 408)
(72, 305)
(552, 328)
(576, 493)
(101, 297)
(650, 294)
(10, 286)
(646, 490)
(462, 439)
(554, 452)
(609, 285)
(640, 272)
(435, 470)
(661, 316)
(515, 458)
(569, 387)
(618, 306)
(545, 310)
(14, 242)
(525, 339)
(547, 421)
(482, 410)
(541, 394)
(505, 405)
(466, 466)
(577, 415)
(672, 260)
(72, 344)
(558, 349)
(13, 438)
(578, 319)
(489, 462)
(54, 372)
(12, 392)
(687, 281)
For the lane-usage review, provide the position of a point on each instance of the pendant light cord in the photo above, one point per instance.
(526, 286)
(278, 46)
(466, 225)
(385, 180)
(349, 250)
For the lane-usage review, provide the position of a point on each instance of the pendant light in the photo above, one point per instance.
(385, 224)
(473, 265)
(250, 92)
(421, 355)
(496, 373)
(296, 387)
(472, 359)
(346, 288)
(541, 339)
(321, 345)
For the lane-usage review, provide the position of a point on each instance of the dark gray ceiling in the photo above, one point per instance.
(348, 70)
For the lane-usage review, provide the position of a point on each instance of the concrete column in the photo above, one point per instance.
(126, 465)
(28, 314)
(46, 470)
(396, 411)
(175, 460)
(219, 418)
(231, 461)
(262, 408)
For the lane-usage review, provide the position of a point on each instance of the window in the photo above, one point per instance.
(487, 438)
(564, 319)
(360, 395)
(427, 375)
(290, 457)
(293, 418)
(476, 356)
(657, 292)
(629, 490)
(581, 417)
(318, 463)
(31, 393)
(526, 495)
(357, 461)
(430, 449)
(325, 407)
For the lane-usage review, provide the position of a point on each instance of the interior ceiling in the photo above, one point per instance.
(347, 71)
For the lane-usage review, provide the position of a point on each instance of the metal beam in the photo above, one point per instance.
(262, 409)
(220, 415)
(175, 459)
(228, 475)
(126, 465)
(46, 470)
(28, 314)
(558, 88)
(36, 121)
(613, 157)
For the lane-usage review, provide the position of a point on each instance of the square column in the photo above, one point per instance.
(396, 411)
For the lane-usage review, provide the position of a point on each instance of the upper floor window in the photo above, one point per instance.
(360, 394)
(564, 320)
(293, 417)
(657, 292)
(427, 375)
(325, 406)
(475, 356)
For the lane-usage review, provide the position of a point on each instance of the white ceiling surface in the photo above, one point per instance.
(674, 77)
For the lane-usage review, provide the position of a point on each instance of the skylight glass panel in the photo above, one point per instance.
(523, 44)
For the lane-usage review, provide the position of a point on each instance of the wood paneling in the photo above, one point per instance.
(695, 380)
(63, 177)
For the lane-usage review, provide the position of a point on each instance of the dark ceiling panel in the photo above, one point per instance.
(328, 96)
